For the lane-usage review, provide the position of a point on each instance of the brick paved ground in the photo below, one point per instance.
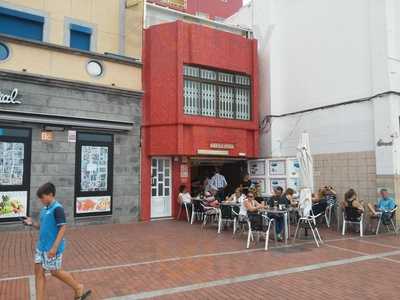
(175, 260)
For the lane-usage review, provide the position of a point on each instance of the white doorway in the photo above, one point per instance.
(161, 187)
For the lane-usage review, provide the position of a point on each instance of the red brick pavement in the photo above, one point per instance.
(167, 246)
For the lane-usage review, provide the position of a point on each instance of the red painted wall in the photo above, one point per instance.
(166, 130)
(213, 8)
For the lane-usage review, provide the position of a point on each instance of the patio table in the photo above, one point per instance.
(285, 214)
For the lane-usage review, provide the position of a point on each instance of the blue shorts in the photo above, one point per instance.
(48, 264)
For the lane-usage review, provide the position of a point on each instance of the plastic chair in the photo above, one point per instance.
(352, 215)
(197, 210)
(307, 218)
(226, 216)
(258, 223)
(393, 214)
(186, 206)
(209, 212)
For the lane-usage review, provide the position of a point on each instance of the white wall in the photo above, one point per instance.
(318, 52)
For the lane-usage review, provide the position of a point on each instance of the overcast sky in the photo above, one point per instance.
(246, 1)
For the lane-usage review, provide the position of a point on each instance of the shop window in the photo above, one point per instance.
(15, 160)
(214, 93)
(21, 24)
(80, 37)
(94, 174)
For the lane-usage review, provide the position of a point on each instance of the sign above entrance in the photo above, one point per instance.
(222, 146)
(212, 152)
(10, 98)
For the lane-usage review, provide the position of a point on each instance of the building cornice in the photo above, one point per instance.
(58, 48)
(63, 83)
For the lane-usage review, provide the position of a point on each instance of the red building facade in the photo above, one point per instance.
(214, 9)
(197, 81)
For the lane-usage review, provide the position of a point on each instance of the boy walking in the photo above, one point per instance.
(50, 245)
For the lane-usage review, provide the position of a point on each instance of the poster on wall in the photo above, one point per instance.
(13, 204)
(94, 168)
(294, 183)
(293, 167)
(99, 204)
(261, 184)
(277, 168)
(275, 182)
(257, 168)
(11, 163)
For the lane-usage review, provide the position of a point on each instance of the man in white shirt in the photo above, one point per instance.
(219, 182)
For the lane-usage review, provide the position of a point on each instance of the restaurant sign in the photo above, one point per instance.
(9, 98)
(222, 146)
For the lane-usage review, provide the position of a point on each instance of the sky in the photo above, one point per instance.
(246, 2)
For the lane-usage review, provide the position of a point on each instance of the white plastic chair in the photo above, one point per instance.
(185, 205)
(392, 212)
(306, 216)
(352, 215)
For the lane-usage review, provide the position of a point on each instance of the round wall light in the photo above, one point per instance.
(94, 68)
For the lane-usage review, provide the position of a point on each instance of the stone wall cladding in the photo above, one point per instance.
(55, 160)
(355, 170)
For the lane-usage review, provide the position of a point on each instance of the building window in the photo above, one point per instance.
(94, 176)
(80, 37)
(15, 153)
(21, 24)
(214, 93)
(4, 51)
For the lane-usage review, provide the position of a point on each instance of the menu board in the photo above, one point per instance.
(293, 183)
(94, 168)
(277, 168)
(11, 163)
(85, 205)
(257, 168)
(13, 204)
(275, 182)
(293, 167)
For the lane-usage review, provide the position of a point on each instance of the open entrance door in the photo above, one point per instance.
(161, 187)
(232, 169)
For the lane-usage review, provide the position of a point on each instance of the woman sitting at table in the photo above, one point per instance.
(251, 205)
(184, 197)
(236, 197)
(351, 201)
(284, 202)
(210, 200)
(319, 202)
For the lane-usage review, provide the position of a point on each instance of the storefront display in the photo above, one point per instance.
(86, 205)
(13, 204)
(94, 164)
(277, 168)
(257, 168)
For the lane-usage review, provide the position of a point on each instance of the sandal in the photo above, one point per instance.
(84, 296)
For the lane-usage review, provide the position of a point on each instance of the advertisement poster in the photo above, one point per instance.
(275, 182)
(11, 163)
(294, 183)
(277, 168)
(13, 204)
(293, 168)
(94, 168)
(85, 205)
(260, 182)
(257, 168)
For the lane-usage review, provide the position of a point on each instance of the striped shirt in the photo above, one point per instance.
(218, 181)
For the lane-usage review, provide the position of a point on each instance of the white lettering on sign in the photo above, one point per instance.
(9, 98)
(221, 146)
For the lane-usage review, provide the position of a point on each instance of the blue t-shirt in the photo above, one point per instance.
(51, 218)
(386, 204)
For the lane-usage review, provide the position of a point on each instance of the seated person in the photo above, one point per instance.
(236, 197)
(330, 195)
(209, 200)
(385, 203)
(319, 202)
(251, 205)
(274, 200)
(184, 195)
(351, 201)
(287, 198)
(286, 201)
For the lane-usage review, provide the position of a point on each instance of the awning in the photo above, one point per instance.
(58, 120)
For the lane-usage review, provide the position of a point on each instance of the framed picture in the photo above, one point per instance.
(262, 183)
(277, 167)
(256, 168)
(275, 182)
(294, 183)
(13, 204)
(293, 167)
